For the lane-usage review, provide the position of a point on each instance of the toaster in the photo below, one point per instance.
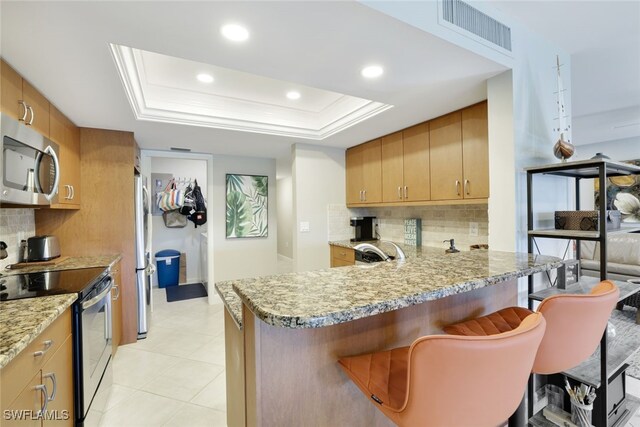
(42, 248)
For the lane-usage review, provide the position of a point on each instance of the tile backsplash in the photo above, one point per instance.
(438, 223)
(15, 225)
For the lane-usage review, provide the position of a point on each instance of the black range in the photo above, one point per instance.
(30, 285)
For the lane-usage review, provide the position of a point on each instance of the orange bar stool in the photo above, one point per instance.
(445, 380)
(575, 324)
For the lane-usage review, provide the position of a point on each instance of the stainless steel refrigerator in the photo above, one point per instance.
(144, 269)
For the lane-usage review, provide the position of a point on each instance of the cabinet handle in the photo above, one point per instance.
(45, 394)
(68, 196)
(52, 376)
(406, 192)
(399, 192)
(73, 192)
(457, 187)
(25, 109)
(33, 115)
(47, 345)
(466, 186)
(117, 289)
(364, 193)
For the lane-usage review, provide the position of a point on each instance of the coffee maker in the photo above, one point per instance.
(363, 228)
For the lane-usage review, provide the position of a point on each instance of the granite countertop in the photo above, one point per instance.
(327, 297)
(21, 321)
(71, 263)
(231, 300)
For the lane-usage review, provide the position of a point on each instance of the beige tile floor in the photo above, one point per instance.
(174, 377)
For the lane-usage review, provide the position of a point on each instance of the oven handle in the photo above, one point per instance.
(93, 301)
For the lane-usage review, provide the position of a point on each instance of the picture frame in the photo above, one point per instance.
(247, 206)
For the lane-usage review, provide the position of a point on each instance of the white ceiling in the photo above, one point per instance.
(63, 49)
(603, 38)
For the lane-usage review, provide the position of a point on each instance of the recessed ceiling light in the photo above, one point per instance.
(293, 95)
(234, 32)
(372, 71)
(205, 78)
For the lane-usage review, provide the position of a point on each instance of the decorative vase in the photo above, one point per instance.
(563, 149)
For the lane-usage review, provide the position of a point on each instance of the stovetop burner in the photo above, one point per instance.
(30, 285)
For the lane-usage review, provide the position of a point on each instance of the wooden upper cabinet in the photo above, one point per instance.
(364, 173)
(38, 116)
(445, 139)
(11, 92)
(372, 171)
(475, 151)
(67, 136)
(353, 162)
(392, 168)
(417, 179)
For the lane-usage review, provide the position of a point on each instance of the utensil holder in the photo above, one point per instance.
(581, 414)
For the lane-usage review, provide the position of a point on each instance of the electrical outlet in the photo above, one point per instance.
(304, 227)
(473, 229)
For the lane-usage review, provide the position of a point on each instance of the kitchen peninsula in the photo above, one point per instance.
(281, 362)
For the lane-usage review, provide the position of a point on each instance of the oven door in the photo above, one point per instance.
(95, 318)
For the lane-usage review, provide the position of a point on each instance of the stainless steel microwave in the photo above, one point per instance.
(30, 167)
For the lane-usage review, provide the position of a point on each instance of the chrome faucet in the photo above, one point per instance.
(399, 252)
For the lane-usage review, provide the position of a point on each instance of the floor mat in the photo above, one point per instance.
(183, 292)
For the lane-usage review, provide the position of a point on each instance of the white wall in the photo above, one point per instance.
(284, 188)
(318, 175)
(186, 239)
(247, 257)
(621, 150)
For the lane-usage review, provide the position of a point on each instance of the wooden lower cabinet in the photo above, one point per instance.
(116, 305)
(341, 256)
(29, 380)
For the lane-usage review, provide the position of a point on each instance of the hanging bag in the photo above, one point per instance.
(171, 198)
(189, 204)
(174, 219)
(199, 217)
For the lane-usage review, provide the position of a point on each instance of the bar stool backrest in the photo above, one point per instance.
(575, 324)
(468, 381)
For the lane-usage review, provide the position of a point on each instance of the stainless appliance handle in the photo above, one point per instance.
(49, 150)
(45, 394)
(52, 375)
(93, 301)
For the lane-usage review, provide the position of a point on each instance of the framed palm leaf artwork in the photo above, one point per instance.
(247, 206)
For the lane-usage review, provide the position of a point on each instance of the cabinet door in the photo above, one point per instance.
(72, 162)
(372, 171)
(39, 117)
(475, 151)
(11, 92)
(66, 135)
(57, 375)
(116, 306)
(23, 411)
(416, 163)
(353, 162)
(392, 182)
(445, 139)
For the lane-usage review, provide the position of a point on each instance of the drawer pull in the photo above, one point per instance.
(52, 376)
(47, 345)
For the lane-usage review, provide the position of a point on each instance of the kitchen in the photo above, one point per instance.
(316, 169)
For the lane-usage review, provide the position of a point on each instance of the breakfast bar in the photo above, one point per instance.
(281, 365)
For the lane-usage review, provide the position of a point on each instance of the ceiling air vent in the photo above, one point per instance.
(470, 19)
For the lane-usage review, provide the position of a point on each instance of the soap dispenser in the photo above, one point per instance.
(452, 246)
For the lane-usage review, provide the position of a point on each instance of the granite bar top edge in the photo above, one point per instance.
(34, 319)
(360, 312)
(72, 263)
(231, 301)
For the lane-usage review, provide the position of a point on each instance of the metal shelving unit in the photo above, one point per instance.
(599, 169)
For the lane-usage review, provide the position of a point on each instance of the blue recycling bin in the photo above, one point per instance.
(168, 263)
